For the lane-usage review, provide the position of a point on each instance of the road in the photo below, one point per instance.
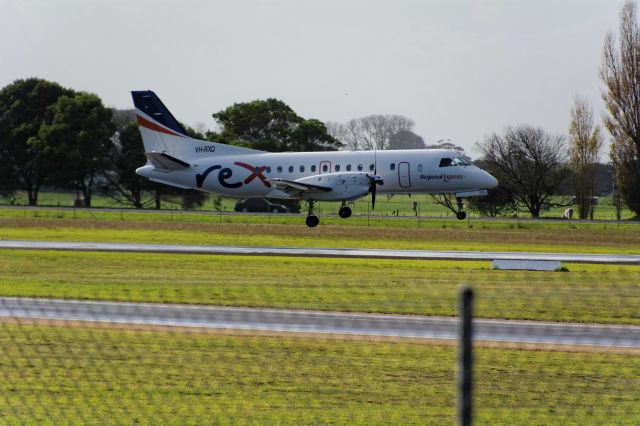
(321, 252)
(318, 322)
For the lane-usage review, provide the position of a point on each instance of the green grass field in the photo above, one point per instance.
(586, 293)
(51, 375)
(289, 231)
(76, 374)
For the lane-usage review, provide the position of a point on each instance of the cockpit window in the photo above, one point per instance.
(455, 161)
(461, 161)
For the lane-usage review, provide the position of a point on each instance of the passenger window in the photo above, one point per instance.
(419, 167)
(301, 169)
(268, 169)
(290, 169)
(313, 168)
(392, 166)
(325, 168)
(360, 167)
(337, 167)
(279, 169)
(371, 167)
(445, 162)
(348, 167)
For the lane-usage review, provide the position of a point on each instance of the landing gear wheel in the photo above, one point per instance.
(344, 212)
(461, 214)
(312, 221)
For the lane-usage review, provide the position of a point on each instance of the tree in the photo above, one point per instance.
(445, 200)
(529, 164)
(311, 135)
(273, 126)
(620, 73)
(405, 139)
(370, 132)
(441, 144)
(125, 156)
(498, 201)
(76, 139)
(585, 144)
(23, 108)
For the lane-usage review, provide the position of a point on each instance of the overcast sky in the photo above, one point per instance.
(459, 69)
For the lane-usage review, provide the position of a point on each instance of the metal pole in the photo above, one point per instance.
(465, 357)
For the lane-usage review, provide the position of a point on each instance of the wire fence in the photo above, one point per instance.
(120, 338)
(398, 205)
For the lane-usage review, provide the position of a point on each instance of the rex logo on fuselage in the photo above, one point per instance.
(226, 173)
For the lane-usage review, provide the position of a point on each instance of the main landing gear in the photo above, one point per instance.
(312, 220)
(461, 214)
(344, 211)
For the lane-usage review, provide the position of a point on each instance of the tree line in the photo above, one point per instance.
(52, 136)
(532, 165)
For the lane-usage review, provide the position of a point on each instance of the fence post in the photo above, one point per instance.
(465, 357)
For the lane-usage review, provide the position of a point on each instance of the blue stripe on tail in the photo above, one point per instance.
(149, 103)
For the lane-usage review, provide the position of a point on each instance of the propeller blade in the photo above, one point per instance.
(374, 181)
(373, 196)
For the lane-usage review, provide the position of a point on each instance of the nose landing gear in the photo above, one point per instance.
(461, 214)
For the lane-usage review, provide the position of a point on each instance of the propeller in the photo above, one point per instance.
(374, 181)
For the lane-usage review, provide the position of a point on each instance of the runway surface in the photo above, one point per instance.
(321, 252)
(318, 322)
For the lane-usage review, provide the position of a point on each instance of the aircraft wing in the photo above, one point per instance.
(295, 188)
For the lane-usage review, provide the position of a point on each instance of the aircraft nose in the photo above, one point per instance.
(489, 181)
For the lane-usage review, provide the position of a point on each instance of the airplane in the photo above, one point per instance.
(174, 158)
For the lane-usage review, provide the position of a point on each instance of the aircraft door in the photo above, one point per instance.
(325, 167)
(404, 177)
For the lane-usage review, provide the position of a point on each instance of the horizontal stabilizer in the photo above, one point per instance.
(164, 161)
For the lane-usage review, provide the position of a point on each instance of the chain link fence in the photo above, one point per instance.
(144, 338)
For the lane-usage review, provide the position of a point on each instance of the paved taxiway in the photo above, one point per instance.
(318, 322)
(321, 252)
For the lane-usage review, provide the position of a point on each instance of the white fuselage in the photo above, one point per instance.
(248, 175)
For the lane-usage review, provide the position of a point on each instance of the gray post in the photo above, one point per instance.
(465, 357)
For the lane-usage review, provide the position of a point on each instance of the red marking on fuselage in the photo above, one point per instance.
(153, 126)
(256, 172)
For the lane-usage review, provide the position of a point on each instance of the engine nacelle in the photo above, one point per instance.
(344, 186)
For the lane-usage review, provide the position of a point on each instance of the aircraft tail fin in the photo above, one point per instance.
(161, 118)
(162, 133)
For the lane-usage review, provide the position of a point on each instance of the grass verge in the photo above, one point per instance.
(433, 234)
(586, 293)
(54, 375)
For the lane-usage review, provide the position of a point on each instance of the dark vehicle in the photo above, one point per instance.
(259, 205)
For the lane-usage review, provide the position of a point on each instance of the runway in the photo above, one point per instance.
(321, 252)
(318, 322)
